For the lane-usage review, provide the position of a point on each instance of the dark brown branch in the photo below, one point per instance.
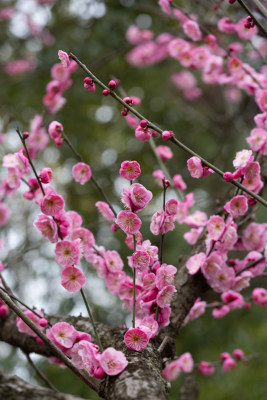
(13, 387)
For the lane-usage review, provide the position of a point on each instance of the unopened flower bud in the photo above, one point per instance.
(112, 84)
(105, 92)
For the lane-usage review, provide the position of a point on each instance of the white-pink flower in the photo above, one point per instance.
(237, 206)
(186, 363)
(68, 253)
(112, 361)
(105, 210)
(47, 227)
(130, 170)
(195, 168)
(81, 173)
(64, 58)
(191, 29)
(136, 339)
(140, 260)
(64, 334)
(72, 279)
(215, 227)
(243, 158)
(195, 262)
(164, 152)
(51, 203)
(129, 222)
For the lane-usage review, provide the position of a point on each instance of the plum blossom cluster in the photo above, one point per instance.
(60, 73)
(185, 364)
(78, 346)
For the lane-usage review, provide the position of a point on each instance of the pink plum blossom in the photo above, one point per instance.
(89, 84)
(165, 5)
(215, 227)
(161, 223)
(205, 368)
(172, 370)
(237, 206)
(67, 253)
(178, 182)
(52, 203)
(228, 364)
(24, 328)
(197, 309)
(171, 207)
(55, 129)
(129, 222)
(140, 260)
(136, 197)
(143, 134)
(186, 363)
(192, 236)
(259, 296)
(105, 210)
(81, 173)
(112, 361)
(46, 175)
(130, 170)
(244, 32)
(254, 236)
(165, 275)
(113, 261)
(84, 355)
(64, 334)
(75, 219)
(191, 29)
(195, 262)
(136, 339)
(243, 158)
(164, 296)
(64, 58)
(47, 227)
(164, 152)
(72, 279)
(87, 240)
(195, 168)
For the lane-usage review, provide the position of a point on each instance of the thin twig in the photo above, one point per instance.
(174, 140)
(260, 7)
(40, 373)
(55, 350)
(92, 320)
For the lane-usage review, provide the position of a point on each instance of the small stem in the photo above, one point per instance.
(249, 265)
(11, 295)
(92, 320)
(134, 280)
(68, 142)
(55, 350)
(30, 161)
(103, 194)
(40, 373)
(163, 344)
(157, 129)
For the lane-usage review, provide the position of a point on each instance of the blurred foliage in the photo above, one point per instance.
(95, 32)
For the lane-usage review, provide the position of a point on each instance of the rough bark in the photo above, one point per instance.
(15, 388)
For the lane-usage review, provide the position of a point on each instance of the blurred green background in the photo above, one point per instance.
(216, 128)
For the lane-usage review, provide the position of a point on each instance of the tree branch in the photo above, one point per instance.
(13, 387)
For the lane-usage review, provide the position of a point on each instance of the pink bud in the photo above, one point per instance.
(238, 354)
(25, 135)
(46, 175)
(167, 135)
(128, 100)
(43, 322)
(252, 201)
(237, 174)
(124, 112)
(114, 227)
(228, 176)
(112, 84)
(3, 310)
(99, 374)
(105, 92)
(39, 340)
(143, 124)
